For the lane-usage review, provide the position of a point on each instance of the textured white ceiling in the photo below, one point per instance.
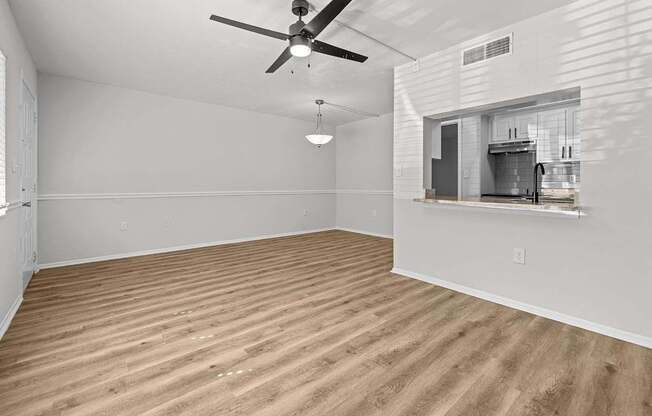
(171, 47)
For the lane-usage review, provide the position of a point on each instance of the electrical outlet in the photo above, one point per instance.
(519, 256)
(305, 212)
(374, 213)
(124, 226)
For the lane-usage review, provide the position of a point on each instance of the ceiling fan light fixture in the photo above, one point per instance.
(300, 47)
(302, 36)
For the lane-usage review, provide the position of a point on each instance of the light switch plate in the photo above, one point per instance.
(519, 256)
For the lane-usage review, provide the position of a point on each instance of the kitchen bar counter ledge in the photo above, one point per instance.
(552, 208)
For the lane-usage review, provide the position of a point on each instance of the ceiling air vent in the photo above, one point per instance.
(474, 55)
(489, 50)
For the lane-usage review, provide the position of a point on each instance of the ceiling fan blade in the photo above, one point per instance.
(250, 28)
(325, 48)
(325, 17)
(285, 56)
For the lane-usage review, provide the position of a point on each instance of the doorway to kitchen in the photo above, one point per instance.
(445, 168)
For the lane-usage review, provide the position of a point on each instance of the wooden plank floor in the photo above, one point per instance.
(307, 325)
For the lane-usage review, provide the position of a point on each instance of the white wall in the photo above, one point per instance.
(471, 150)
(364, 175)
(18, 59)
(178, 172)
(597, 269)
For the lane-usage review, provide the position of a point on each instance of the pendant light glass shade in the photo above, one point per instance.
(319, 138)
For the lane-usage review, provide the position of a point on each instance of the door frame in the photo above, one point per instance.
(24, 84)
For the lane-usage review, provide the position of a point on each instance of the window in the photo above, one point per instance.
(3, 111)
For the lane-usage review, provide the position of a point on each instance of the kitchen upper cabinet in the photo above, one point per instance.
(551, 140)
(502, 128)
(526, 126)
(559, 137)
(515, 127)
(573, 136)
(557, 131)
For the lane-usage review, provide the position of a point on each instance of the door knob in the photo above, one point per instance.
(27, 204)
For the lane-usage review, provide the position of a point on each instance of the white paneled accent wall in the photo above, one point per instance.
(596, 269)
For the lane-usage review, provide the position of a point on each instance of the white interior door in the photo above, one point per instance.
(27, 181)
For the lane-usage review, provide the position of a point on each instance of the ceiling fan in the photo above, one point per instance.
(302, 36)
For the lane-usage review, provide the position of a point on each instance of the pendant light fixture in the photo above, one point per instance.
(319, 138)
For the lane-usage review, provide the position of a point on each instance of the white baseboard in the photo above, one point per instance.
(536, 310)
(6, 320)
(26, 283)
(352, 230)
(175, 248)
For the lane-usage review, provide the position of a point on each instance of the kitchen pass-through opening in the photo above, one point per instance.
(524, 151)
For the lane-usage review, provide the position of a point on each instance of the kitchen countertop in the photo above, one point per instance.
(551, 206)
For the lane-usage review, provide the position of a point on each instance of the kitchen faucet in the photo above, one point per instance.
(536, 181)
